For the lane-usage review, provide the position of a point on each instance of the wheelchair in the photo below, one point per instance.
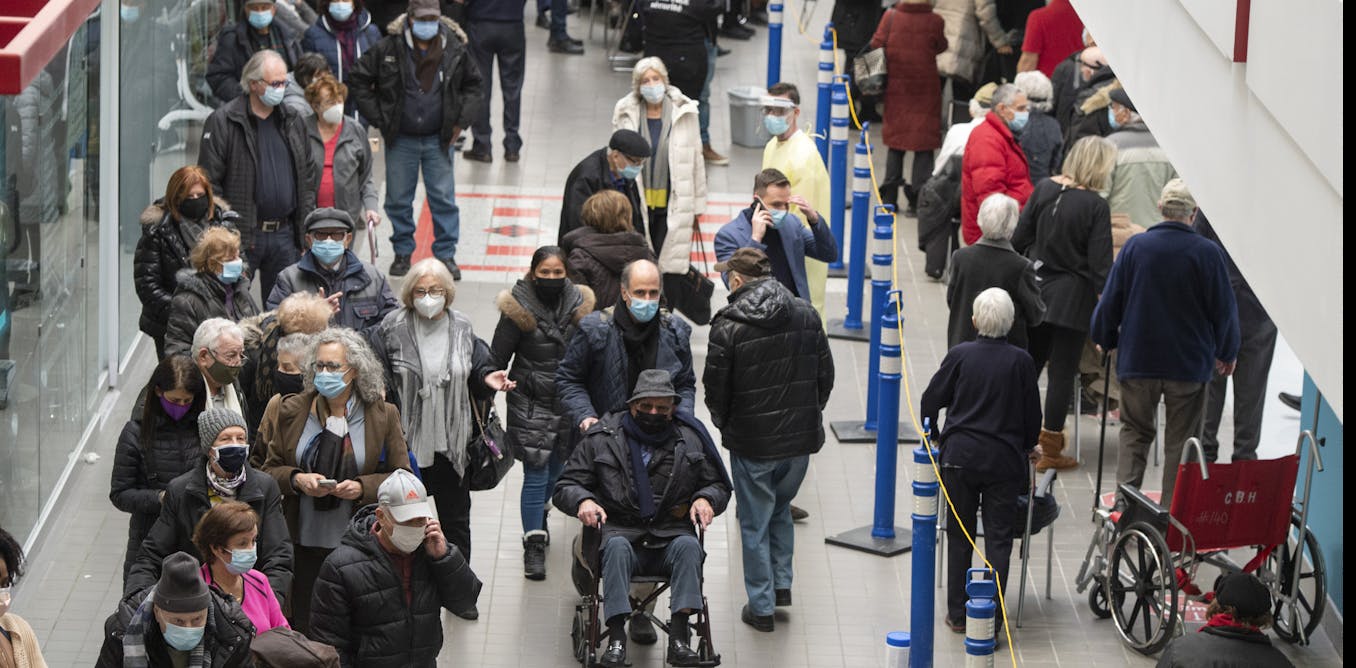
(1142, 560)
(588, 630)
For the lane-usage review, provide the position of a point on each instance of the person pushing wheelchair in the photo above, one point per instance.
(647, 478)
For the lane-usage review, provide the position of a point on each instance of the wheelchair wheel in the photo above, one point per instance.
(1141, 589)
(1296, 621)
(1097, 598)
(579, 634)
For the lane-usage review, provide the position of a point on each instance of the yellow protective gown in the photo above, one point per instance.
(798, 158)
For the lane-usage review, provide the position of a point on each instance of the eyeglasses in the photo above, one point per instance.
(273, 84)
(331, 235)
(231, 357)
(420, 293)
(330, 366)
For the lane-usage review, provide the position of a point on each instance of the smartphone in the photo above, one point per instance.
(327, 482)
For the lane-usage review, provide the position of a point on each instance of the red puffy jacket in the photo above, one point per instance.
(993, 162)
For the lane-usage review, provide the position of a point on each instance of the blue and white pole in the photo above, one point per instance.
(861, 202)
(887, 431)
(774, 42)
(826, 64)
(882, 262)
(921, 613)
(838, 152)
(980, 612)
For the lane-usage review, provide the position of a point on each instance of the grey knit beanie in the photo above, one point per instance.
(213, 421)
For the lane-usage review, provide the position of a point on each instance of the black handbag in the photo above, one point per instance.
(488, 457)
(869, 69)
(690, 293)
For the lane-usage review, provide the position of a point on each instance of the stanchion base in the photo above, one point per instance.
(862, 541)
(838, 272)
(856, 432)
(836, 330)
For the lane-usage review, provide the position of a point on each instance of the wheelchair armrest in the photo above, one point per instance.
(1141, 508)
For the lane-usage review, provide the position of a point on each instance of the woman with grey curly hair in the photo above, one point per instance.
(1042, 139)
(329, 448)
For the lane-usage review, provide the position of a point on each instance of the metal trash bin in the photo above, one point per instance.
(746, 117)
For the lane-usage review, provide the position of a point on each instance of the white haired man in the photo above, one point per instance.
(992, 262)
(993, 418)
(219, 352)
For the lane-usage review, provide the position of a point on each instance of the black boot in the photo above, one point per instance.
(534, 555)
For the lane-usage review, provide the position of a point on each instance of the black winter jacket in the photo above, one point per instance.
(140, 474)
(161, 253)
(229, 155)
(360, 605)
(591, 380)
(1042, 141)
(855, 22)
(768, 373)
(600, 469)
(534, 336)
(186, 502)
(228, 635)
(377, 82)
(596, 259)
(234, 49)
(366, 296)
(1223, 647)
(991, 264)
(201, 296)
(592, 175)
(1067, 232)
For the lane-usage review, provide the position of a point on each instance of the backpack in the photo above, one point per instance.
(939, 204)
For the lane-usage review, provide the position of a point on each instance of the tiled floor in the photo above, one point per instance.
(845, 601)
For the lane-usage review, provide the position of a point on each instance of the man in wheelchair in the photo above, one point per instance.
(647, 478)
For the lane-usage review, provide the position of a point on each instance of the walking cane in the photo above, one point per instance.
(1101, 445)
(372, 243)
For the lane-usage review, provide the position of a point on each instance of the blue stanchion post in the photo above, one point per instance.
(922, 589)
(838, 152)
(774, 42)
(850, 326)
(887, 412)
(980, 613)
(826, 63)
(882, 261)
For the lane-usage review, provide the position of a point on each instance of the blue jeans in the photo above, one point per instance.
(538, 481)
(404, 158)
(559, 8)
(269, 254)
(704, 102)
(763, 491)
(681, 560)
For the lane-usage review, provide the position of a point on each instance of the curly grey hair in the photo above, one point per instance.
(371, 377)
(1038, 89)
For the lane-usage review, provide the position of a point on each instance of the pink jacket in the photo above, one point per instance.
(260, 604)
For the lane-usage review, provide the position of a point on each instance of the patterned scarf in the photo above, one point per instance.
(226, 487)
(134, 637)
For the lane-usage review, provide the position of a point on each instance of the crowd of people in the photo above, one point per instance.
(300, 466)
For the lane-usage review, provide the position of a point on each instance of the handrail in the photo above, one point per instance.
(1200, 455)
(1308, 435)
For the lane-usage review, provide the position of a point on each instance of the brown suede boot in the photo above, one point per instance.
(1052, 445)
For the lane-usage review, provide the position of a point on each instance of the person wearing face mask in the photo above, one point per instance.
(339, 145)
(255, 31)
(255, 152)
(329, 447)
(396, 560)
(170, 228)
(769, 226)
(792, 152)
(270, 367)
(768, 377)
(228, 538)
(158, 444)
(1071, 76)
(216, 287)
(219, 352)
(18, 644)
(1142, 166)
(913, 36)
(358, 293)
(614, 167)
(670, 481)
(673, 180)
(537, 318)
(994, 161)
(222, 474)
(436, 367)
(420, 87)
(343, 31)
(179, 621)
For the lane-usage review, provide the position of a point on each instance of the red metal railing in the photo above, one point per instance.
(31, 34)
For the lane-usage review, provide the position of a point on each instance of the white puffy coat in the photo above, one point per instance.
(687, 174)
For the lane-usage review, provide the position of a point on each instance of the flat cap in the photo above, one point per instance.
(326, 218)
(630, 143)
(1119, 96)
(749, 262)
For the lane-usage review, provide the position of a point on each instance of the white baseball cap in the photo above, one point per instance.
(404, 496)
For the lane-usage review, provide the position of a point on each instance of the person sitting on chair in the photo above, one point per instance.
(646, 478)
(1232, 635)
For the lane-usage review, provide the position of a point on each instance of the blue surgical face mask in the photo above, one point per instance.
(643, 310)
(129, 14)
(330, 384)
(243, 560)
(261, 20)
(340, 11)
(778, 218)
(424, 30)
(654, 93)
(183, 638)
(1111, 118)
(630, 171)
(327, 251)
(230, 271)
(272, 96)
(776, 125)
(1019, 119)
